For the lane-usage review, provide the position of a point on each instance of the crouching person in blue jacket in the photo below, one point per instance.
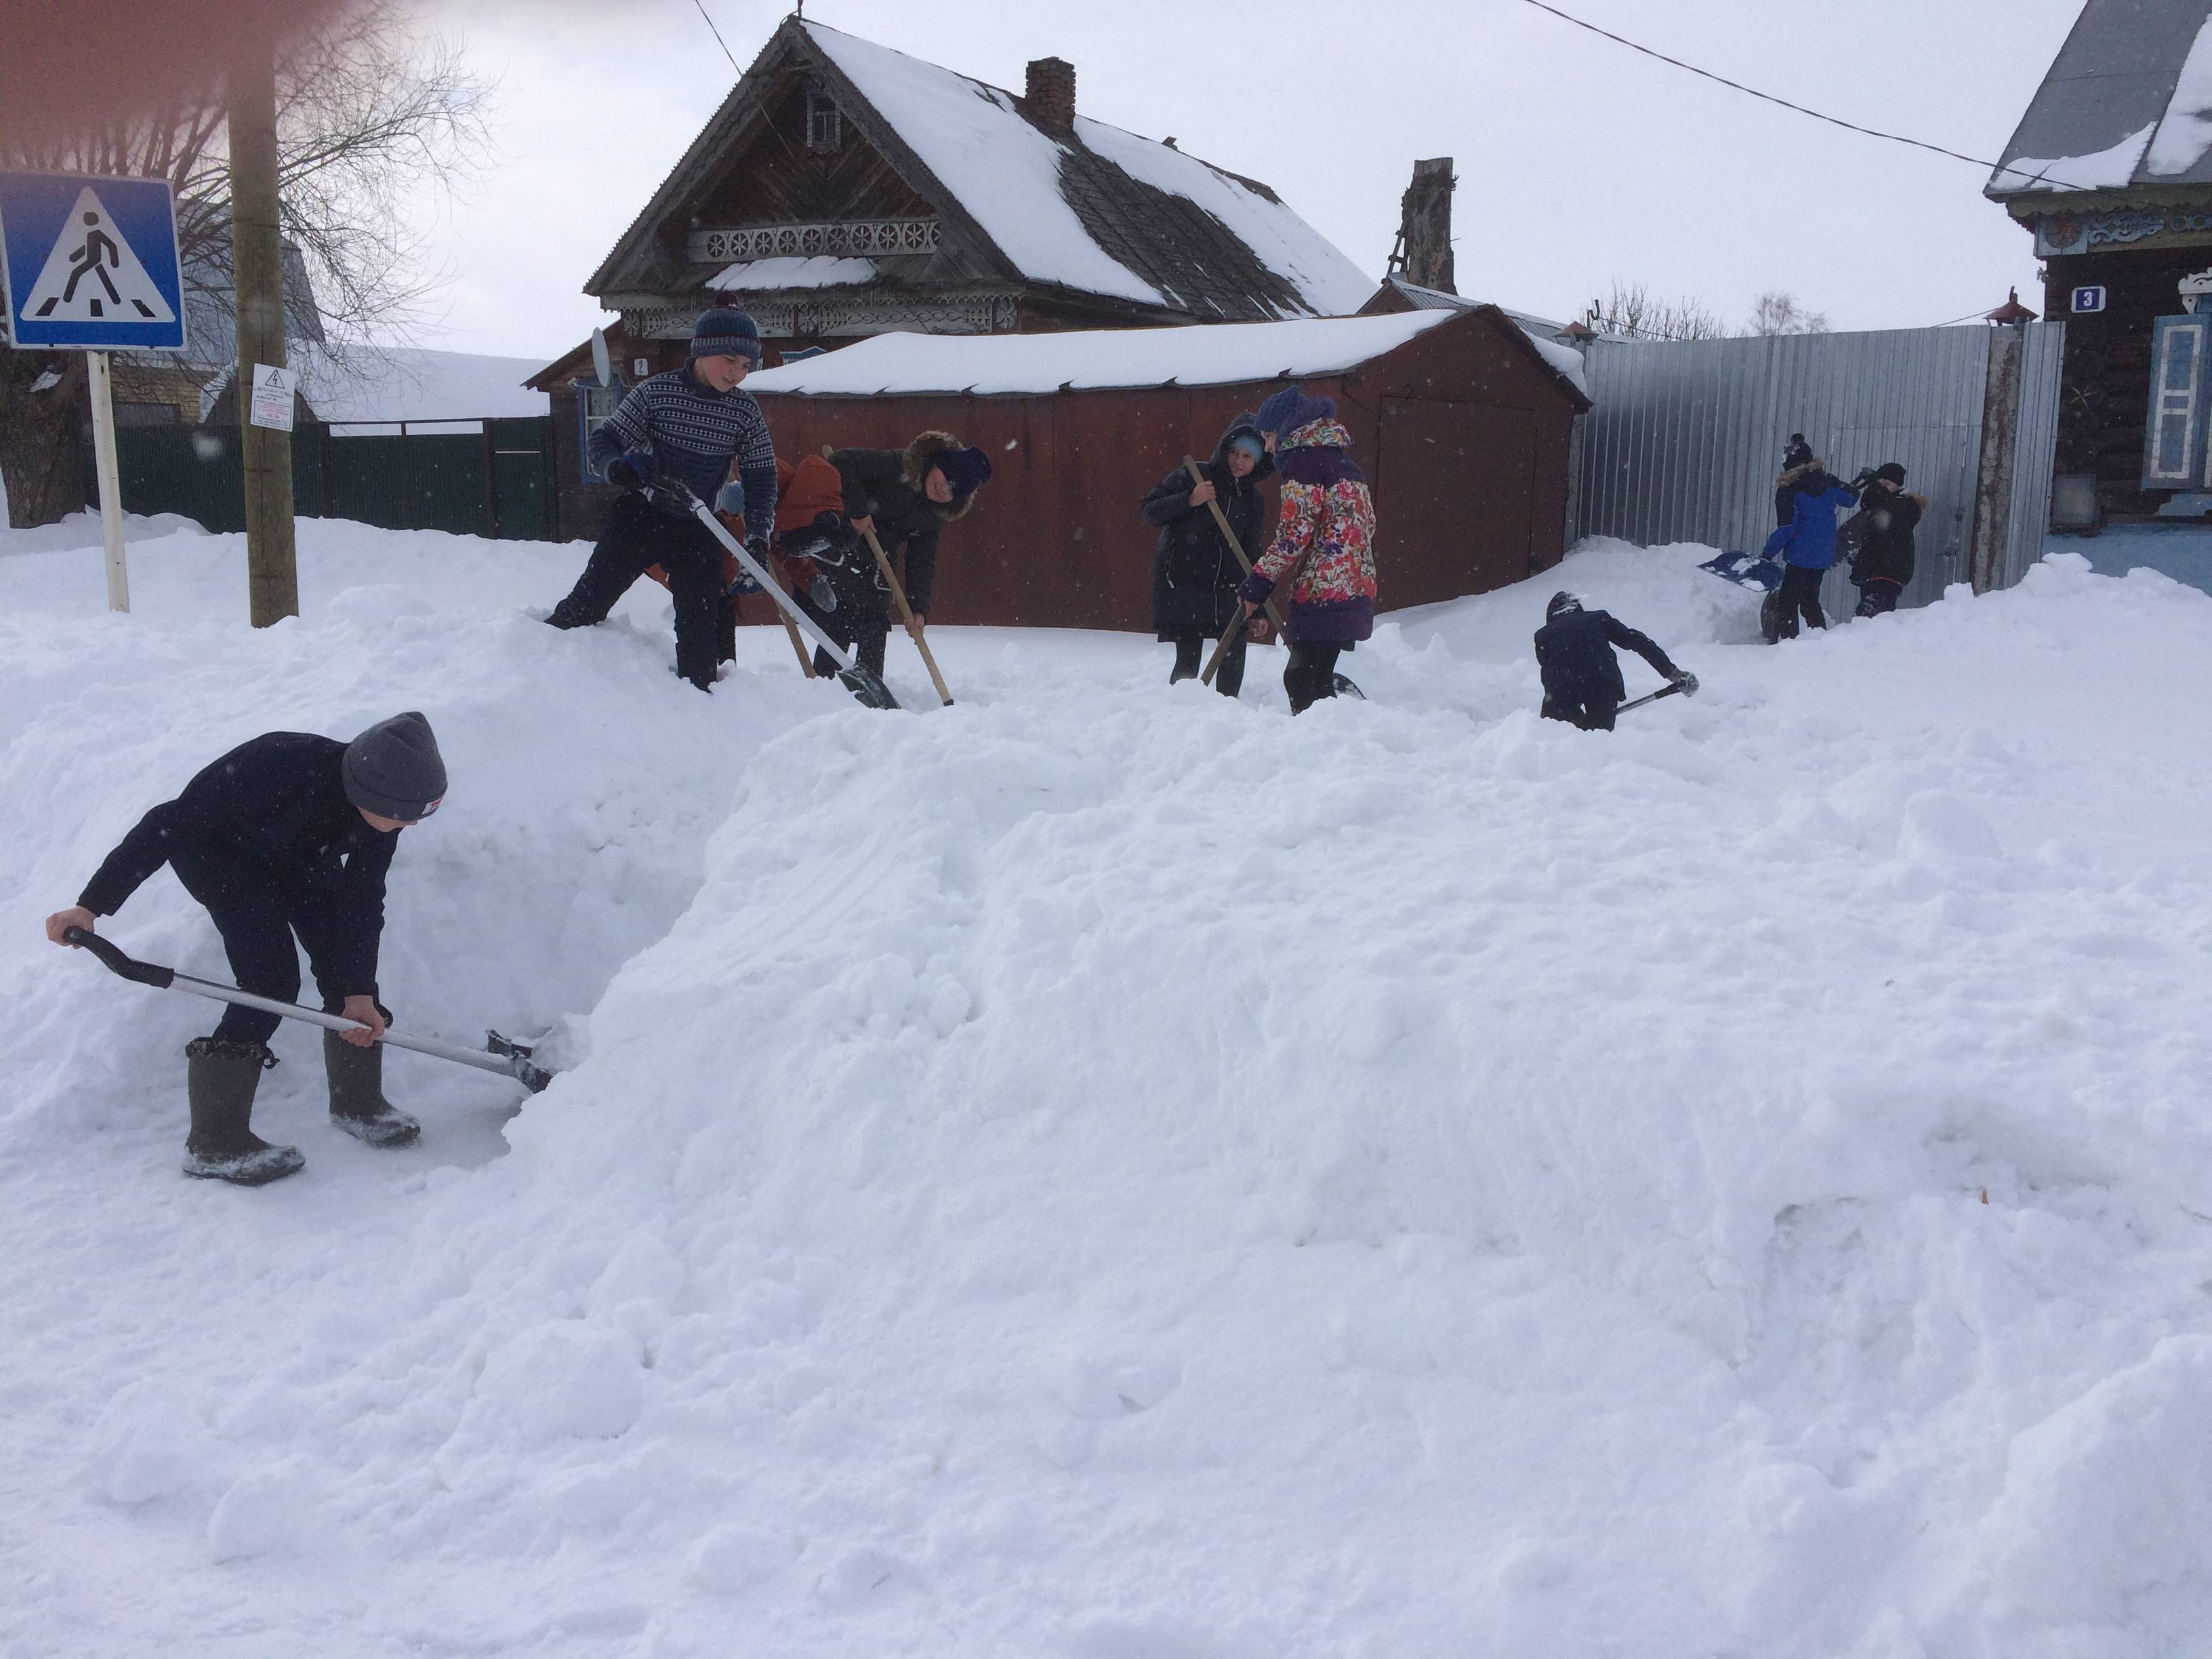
(1582, 676)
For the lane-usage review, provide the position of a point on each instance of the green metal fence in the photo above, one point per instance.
(497, 483)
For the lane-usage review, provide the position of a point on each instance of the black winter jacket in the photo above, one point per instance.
(1194, 575)
(1885, 523)
(278, 802)
(886, 485)
(1575, 651)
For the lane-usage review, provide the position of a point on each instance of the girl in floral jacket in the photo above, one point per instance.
(1326, 532)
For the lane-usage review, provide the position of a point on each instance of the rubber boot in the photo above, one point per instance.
(357, 1102)
(219, 1080)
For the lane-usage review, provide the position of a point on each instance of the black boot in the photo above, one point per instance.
(357, 1102)
(220, 1079)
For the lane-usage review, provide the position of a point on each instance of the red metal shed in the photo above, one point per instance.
(1461, 420)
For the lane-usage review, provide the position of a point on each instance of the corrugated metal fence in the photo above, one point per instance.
(1687, 437)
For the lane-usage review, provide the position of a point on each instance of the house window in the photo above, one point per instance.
(825, 121)
(595, 403)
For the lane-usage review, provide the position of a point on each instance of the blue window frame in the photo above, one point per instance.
(2173, 436)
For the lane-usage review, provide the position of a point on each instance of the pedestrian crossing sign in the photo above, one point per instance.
(90, 263)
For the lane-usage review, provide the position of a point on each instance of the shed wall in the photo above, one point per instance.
(1463, 435)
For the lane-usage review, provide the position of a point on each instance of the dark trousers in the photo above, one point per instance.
(1190, 651)
(1878, 597)
(637, 536)
(1312, 674)
(257, 917)
(856, 622)
(1800, 595)
(1588, 706)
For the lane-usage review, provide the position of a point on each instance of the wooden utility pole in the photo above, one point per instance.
(272, 573)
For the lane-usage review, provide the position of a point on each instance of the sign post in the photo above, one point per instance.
(90, 264)
(111, 480)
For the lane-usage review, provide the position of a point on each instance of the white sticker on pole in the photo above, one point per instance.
(272, 397)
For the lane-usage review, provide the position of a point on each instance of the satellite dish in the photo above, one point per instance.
(602, 364)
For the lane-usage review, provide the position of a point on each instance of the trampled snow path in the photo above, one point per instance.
(1102, 1171)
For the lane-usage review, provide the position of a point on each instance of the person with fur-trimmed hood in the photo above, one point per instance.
(1194, 575)
(906, 496)
(1808, 498)
(1325, 533)
(1884, 561)
(1582, 676)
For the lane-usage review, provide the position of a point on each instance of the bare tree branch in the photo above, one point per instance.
(1631, 309)
(376, 122)
(1778, 313)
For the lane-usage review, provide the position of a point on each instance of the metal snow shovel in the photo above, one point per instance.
(498, 1054)
(1688, 685)
(906, 615)
(852, 674)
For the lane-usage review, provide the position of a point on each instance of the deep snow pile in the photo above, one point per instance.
(1103, 1171)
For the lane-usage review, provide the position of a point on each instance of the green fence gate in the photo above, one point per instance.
(496, 482)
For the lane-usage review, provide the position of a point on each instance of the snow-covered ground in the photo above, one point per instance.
(1104, 1171)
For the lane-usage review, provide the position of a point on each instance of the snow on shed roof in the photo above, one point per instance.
(1013, 180)
(2127, 102)
(401, 384)
(1216, 354)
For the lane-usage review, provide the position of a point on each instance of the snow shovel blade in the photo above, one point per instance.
(866, 686)
(499, 1055)
(1746, 570)
(532, 1076)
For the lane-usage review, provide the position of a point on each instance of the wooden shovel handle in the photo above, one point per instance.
(906, 616)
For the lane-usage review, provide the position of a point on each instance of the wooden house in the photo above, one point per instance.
(844, 189)
(1460, 419)
(2110, 170)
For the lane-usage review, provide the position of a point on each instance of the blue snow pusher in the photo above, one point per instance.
(1747, 570)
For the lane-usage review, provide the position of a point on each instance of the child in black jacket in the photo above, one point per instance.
(1582, 676)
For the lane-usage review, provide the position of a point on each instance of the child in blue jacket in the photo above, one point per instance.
(1805, 543)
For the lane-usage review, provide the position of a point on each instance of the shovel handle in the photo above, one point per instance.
(112, 958)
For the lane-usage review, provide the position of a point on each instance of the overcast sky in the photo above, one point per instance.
(1578, 160)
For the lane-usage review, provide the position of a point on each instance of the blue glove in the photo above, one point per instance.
(632, 472)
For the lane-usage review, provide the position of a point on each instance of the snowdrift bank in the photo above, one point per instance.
(1103, 1171)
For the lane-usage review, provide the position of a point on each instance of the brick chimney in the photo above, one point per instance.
(1048, 97)
(1424, 239)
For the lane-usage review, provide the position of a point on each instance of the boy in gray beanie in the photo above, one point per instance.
(289, 832)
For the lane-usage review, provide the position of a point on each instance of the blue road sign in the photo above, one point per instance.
(90, 263)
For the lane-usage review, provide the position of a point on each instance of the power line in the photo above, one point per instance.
(719, 41)
(1850, 126)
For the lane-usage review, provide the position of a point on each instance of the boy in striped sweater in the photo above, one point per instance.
(690, 425)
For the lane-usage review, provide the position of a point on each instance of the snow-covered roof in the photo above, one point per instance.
(430, 390)
(1013, 179)
(1218, 354)
(1098, 211)
(789, 271)
(2128, 102)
